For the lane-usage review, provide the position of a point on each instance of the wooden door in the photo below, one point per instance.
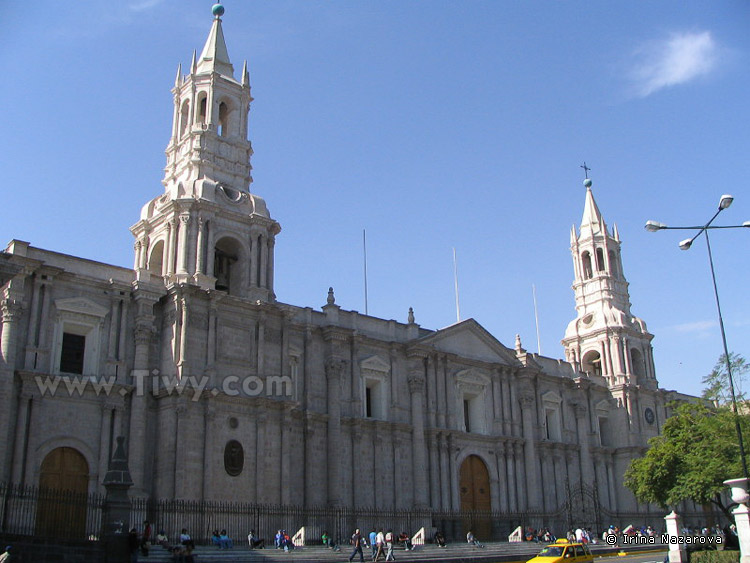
(63, 487)
(474, 484)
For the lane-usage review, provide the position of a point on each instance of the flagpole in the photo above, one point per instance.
(455, 283)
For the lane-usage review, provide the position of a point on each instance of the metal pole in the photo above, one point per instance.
(726, 357)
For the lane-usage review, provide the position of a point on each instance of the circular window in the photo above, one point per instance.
(234, 458)
(649, 415)
(233, 422)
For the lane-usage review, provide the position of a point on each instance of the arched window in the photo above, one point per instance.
(592, 363)
(156, 260)
(201, 117)
(586, 262)
(639, 366)
(184, 117)
(613, 263)
(599, 260)
(223, 119)
(227, 253)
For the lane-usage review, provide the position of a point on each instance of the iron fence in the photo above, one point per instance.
(50, 513)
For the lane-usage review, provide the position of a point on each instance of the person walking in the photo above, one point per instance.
(357, 543)
(389, 546)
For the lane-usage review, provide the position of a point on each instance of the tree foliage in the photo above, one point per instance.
(717, 382)
(697, 451)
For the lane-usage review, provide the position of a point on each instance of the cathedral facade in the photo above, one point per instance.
(224, 392)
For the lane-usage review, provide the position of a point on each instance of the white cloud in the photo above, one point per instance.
(695, 327)
(680, 58)
(144, 5)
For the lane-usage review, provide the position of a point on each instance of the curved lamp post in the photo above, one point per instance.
(653, 226)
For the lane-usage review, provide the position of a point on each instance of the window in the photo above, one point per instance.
(223, 119)
(599, 260)
(467, 417)
(586, 260)
(201, 117)
(605, 438)
(375, 390)
(71, 355)
(184, 117)
(613, 263)
(592, 363)
(551, 402)
(76, 340)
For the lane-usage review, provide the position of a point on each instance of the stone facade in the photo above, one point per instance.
(278, 403)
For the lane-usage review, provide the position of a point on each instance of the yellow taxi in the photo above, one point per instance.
(563, 551)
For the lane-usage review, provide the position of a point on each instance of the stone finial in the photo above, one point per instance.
(410, 318)
(331, 298)
(118, 472)
(519, 348)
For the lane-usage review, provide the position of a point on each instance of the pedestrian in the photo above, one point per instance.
(356, 541)
(5, 557)
(373, 543)
(389, 546)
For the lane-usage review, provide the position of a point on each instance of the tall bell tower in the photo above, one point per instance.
(605, 339)
(207, 229)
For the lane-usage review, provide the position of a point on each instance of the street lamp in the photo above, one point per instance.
(652, 227)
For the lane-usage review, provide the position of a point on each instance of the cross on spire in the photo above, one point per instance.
(586, 170)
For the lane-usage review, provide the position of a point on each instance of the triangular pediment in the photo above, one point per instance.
(470, 340)
(82, 306)
(375, 363)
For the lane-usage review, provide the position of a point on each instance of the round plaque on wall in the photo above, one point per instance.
(649, 415)
(234, 458)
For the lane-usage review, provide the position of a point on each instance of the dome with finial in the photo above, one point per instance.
(217, 10)
(587, 182)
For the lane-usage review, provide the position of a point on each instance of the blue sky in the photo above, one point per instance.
(431, 124)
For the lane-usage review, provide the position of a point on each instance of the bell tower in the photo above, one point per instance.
(605, 339)
(207, 229)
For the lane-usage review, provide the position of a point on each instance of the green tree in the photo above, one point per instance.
(717, 382)
(697, 451)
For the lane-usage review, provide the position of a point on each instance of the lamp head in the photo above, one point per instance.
(653, 226)
(725, 201)
(686, 244)
(746, 224)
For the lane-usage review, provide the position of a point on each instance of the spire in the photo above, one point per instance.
(178, 78)
(592, 217)
(214, 57)
(245, 75)
(193, 64)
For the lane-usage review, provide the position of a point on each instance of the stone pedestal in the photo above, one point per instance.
(742, 521)
(677, 552)
(116, 519)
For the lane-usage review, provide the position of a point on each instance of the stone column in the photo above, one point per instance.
(183, 243)
(519, 477)
(286, 455)
(334, 369)
(269, 275)
(311, 453)
(260, 455)
(31, 344)
(263, 260)
(445, 471)
(434, 473)
(453, 479)
(104, 435)
(200, 265)
(141, 379)
(261, 344)
(171, 250)
(506, 402)
(677, 551)
(532, 471)
(209, 415)
(502, 479)
(11, 316)
(359, 498)
(587, 476)
(254, 259)
(22, 429)
(416, 389)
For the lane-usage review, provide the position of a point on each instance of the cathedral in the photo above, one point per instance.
(224, 392)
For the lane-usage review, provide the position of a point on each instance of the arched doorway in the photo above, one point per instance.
(63, 483)
(474, 486)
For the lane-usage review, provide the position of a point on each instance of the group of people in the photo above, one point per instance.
(221, 539)
(381, 544)
(541, 535)
(182, 552)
